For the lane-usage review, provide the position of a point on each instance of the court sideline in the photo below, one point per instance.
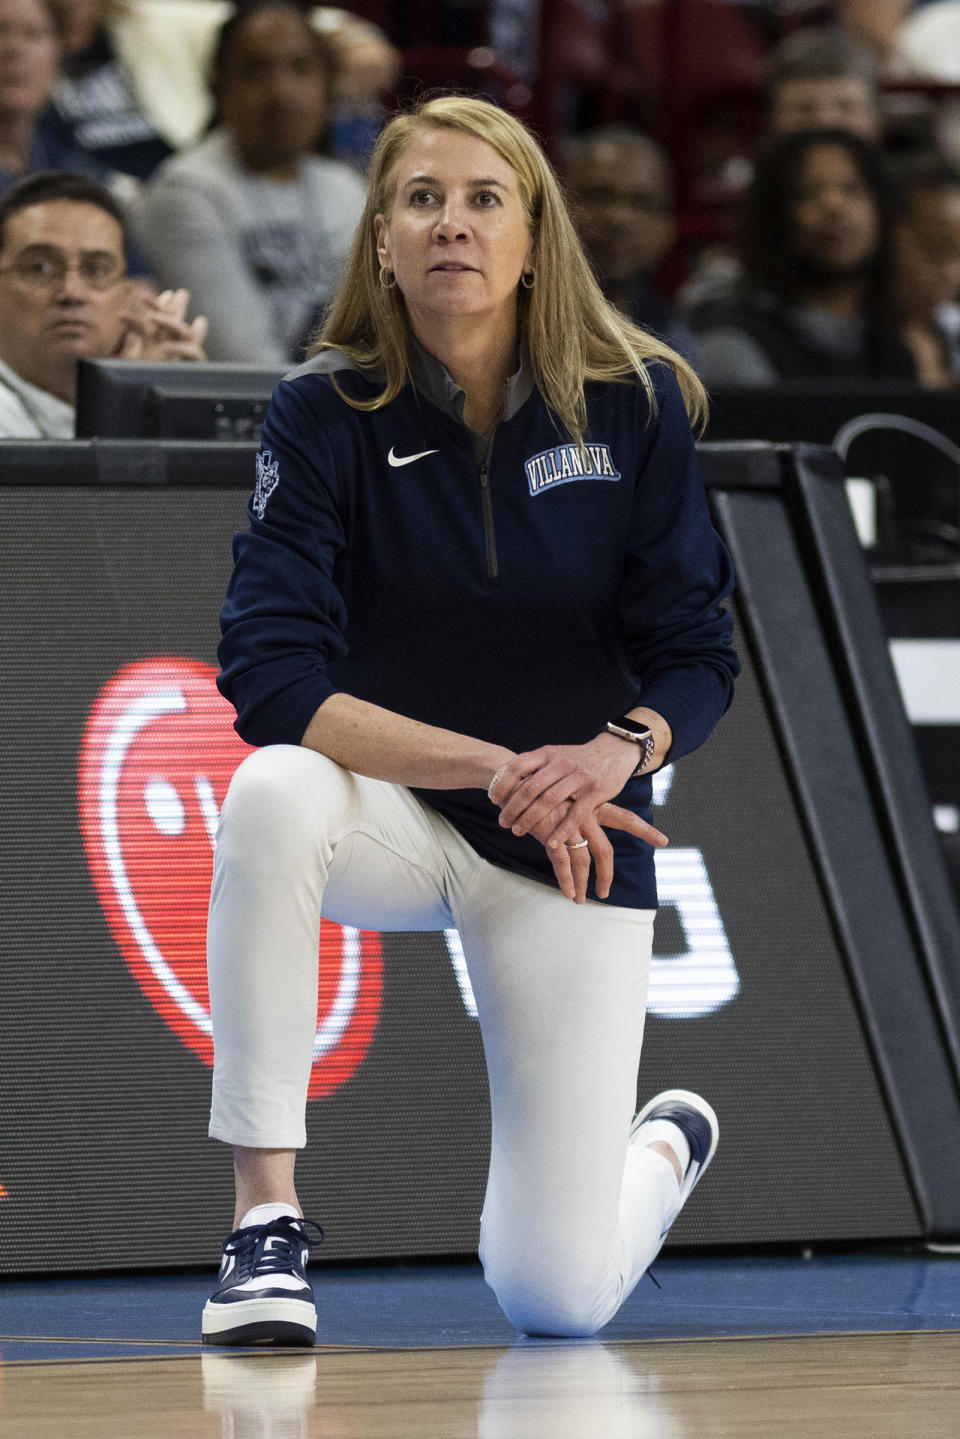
(833, 1345)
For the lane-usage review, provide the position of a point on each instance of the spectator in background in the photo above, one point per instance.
(367, 71)
(95, 106)
(253, 220)
(815, 298)
(620, 185)
(31, 43)
(133, 85)
(823, 79)
(875, 23)
(927, 45)
(927, 264)
(64, 296)
(819, 78)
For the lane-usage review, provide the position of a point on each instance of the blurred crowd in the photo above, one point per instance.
(217, 154)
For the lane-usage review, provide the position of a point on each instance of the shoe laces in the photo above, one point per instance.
(253, 1257)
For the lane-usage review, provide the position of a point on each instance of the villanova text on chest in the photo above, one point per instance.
(565, 463)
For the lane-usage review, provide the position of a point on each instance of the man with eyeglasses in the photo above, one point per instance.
(65, 295)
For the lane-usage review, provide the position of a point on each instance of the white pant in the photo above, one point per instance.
(572, 1215)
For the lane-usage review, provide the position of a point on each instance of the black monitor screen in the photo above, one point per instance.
(903, 439)
(123, 399)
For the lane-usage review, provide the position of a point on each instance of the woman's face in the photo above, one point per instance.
(29, 56)
(456, 235)
(836, 225)
(272, 94)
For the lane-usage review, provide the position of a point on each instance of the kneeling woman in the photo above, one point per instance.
(477, 605)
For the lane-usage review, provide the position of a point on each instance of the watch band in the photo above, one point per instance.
(630, 729)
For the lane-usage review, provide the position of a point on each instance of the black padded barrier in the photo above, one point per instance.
(857, 638)
(125, 464)
(922, 602)
(807, 606)
(787, 984)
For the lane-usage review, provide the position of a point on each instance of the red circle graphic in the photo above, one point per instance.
(156, 758)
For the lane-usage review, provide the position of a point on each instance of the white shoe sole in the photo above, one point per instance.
(272, 1320)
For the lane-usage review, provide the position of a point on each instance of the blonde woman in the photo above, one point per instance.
(493, 474)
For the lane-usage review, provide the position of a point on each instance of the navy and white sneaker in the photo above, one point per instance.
(263, 1295)
(696, 1119)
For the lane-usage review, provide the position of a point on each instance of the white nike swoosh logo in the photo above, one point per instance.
(397, 460)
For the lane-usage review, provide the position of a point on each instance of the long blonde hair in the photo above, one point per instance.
(572, 332)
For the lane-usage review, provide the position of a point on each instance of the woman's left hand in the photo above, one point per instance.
(561, 793)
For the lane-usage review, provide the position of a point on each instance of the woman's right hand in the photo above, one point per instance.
(572, 865)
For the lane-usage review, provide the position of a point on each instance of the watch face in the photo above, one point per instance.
(633, 727)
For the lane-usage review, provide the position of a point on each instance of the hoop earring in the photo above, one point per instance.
(528, 279)
(387, 284)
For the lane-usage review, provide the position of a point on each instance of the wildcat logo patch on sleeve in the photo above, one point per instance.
(268, 477)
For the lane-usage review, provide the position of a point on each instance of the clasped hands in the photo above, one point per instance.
(155, 326)
(561, 795)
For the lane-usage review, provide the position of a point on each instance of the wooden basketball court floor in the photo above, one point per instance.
(831, 1346)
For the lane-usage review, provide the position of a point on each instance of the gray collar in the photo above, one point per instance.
(431, 379)
(436, 384)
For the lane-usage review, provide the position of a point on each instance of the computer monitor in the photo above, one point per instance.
(904, 439)
(124, 399)
(794, 411)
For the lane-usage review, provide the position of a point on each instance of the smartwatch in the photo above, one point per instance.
(626, 728)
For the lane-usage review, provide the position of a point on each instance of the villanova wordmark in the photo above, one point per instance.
(566, 463)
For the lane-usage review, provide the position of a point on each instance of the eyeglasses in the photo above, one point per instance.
(100, 272)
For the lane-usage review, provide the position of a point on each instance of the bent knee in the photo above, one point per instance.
(283, 790)
(562, 1305)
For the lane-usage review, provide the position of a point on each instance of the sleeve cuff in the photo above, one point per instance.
(284, 717)
(691, 700)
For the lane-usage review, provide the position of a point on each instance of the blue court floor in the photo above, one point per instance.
(421, 1305)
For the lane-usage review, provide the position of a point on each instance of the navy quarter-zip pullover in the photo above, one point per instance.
(518, 591)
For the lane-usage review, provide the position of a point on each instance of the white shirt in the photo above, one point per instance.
(29, 413)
